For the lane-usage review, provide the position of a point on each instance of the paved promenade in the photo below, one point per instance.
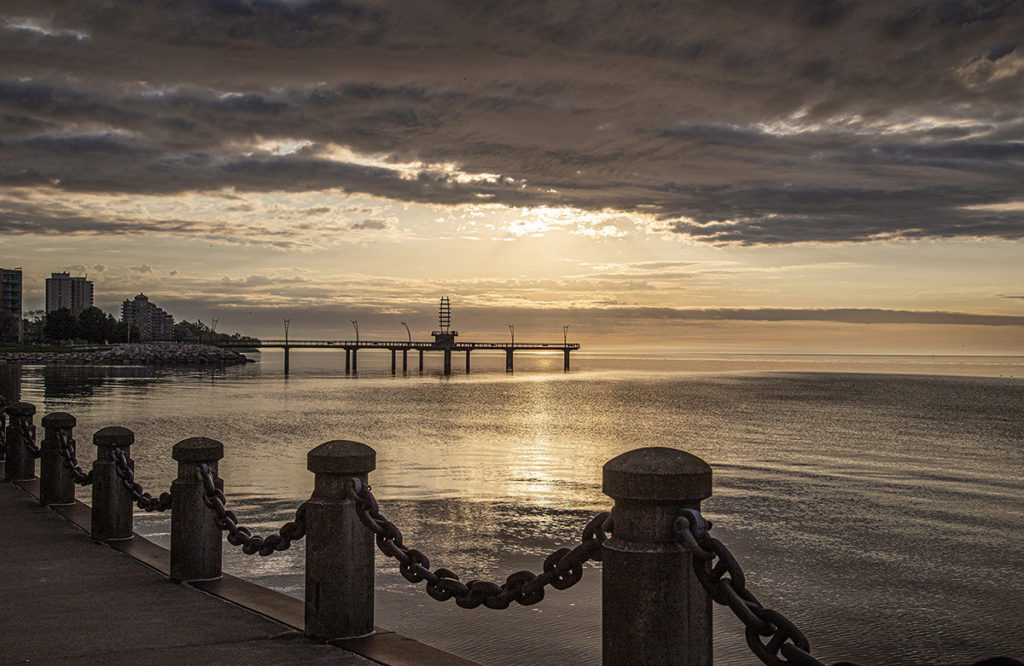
(69, 600)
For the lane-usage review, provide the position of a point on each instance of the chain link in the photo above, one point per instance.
(562, 568)
(142, 499)
(213, 497)
(725, 583)
(67, 448)
(28, 436)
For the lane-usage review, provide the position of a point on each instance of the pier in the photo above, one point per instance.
(443, 342)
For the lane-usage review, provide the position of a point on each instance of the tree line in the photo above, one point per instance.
(95, 326)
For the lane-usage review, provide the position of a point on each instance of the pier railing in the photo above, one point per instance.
(661, 568)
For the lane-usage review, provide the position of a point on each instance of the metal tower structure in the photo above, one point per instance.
(444, 336)
(444, 315)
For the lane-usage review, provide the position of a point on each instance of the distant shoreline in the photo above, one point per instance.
(158, 353)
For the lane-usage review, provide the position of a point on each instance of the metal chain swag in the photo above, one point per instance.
(142, 499)
(70, 461)
(562, 569)
(213, 497)
(726, 585)
(28, 436)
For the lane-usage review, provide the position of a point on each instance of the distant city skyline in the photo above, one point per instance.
(785, 177)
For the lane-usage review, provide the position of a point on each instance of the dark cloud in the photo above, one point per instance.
(755, 123)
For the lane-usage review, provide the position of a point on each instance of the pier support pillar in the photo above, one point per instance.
(508, 360)
(355, 366)
(421, 360)
(405, 360)
(467, 361)
(339, 548)
(348, 360)
(112, 507)
(566, 364)
(447, 361)
(56, 483)
(20, 462)
(654, 610)
(196, 541)
(286, 360)
(394, 354)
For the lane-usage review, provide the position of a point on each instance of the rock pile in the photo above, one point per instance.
(158, 353)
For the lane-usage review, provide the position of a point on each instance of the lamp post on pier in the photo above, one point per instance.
(287, 322)
(565, 334)
(355, 325)
(407, 332)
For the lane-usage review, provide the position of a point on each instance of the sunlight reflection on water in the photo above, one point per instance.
(859, 504)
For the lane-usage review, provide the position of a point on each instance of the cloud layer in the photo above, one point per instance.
(746, 123)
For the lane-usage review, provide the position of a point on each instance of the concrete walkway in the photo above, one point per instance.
(68, 599)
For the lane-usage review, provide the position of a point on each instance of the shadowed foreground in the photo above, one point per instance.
(71, 600)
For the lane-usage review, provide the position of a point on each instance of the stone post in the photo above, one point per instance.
(112, 507)
(196, 541)
(56, 482)
(339, 548)
(20, 464)
(654, 610)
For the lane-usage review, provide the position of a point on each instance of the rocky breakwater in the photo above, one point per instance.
(157, 353)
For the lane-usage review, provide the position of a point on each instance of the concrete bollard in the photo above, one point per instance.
(56, 482)
(20, 464)
(654, 610)
(339, 548)
(196, 541)
(112, 509)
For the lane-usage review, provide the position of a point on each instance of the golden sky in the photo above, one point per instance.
(841, 177)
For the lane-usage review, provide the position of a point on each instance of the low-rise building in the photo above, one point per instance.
(65, 291)
(153, 322)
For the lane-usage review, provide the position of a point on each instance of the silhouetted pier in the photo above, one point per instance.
(352, 348)
(444, 342)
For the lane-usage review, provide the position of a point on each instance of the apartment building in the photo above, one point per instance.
(153, 322)
(65, 291)
(10, 294)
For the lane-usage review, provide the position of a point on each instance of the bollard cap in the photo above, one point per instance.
(114, 436)
(657, 473)
(21, 409)
(198, 450)
(59, 420)
(341, 456)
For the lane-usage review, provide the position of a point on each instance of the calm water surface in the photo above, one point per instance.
(876, 501)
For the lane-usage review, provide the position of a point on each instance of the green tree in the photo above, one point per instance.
(8, 326)
(60, 325)
(32, 324)
(119, 332)
(95, 325)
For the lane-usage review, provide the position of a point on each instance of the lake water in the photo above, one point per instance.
(876, 501)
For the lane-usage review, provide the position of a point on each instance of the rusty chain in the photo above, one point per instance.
(726, 585)
(562, 568)
(142, 499)
(213, 497)
(28, 436)
(67, 448)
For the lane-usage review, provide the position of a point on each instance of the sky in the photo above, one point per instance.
(809, 176)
